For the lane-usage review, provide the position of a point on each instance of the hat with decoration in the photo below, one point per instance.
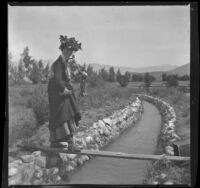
(69, 43)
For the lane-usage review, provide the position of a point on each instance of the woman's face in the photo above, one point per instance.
(67, 53)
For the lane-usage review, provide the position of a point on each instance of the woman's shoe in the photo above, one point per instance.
(73, 148)
(57, 145)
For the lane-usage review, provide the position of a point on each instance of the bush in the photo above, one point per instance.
(96, 81)
(123, 81)
(25, 92)
(40, 105)
(148, 79)
(22, 124)
(172, 80)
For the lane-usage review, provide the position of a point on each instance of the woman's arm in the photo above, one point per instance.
(58, 76)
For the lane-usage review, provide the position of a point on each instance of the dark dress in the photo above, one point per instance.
(62, 108)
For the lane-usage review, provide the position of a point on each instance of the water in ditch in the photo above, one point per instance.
(140, 139)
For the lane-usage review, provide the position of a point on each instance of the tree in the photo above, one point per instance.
(147, 79)
(164, 76)
(35, 75)
(123, 80)
(46, 72)
(27, 62)
(184, 77)
(90, 71)
(118, 75)
(153, 79)
(26, 57)
(128, 75)
(104, 74)
(21, 69)
(137, 77)
(111, 74)
(40, 65)
(172, 80)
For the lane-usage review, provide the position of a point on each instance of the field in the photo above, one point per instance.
(28, 110)
(180, 174)
(28, 106)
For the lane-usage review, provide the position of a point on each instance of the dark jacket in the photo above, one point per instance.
(61, 108)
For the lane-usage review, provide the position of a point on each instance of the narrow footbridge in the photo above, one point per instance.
(107, 154)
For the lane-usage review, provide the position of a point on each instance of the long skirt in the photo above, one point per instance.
(64, 114)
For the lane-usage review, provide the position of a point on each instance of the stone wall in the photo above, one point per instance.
(31, 168)
(168, 134)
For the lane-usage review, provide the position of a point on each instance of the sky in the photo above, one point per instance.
(130, 36)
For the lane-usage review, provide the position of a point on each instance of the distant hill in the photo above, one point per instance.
(156, 71)
(164, 68)
(182, 70)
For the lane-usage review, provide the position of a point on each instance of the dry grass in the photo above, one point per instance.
(181, 104)
(28, 106)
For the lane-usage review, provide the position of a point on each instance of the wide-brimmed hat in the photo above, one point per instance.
(69, 43)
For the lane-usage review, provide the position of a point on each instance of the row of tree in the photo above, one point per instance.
(27, 70)
(30, 70)
(175, 76)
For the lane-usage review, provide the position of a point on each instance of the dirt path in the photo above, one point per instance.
(140, 139)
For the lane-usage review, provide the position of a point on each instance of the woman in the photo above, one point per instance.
(64, 113)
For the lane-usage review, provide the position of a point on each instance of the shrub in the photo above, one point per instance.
(22, 123)
(25, 92)
(40, 105)
(96, 81)
(148, 79)
(123, 81)
(172, 80)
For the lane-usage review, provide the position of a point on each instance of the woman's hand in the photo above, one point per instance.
(66, 92)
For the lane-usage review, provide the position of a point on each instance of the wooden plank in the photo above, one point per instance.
(107, 154)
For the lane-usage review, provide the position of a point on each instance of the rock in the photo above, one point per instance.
(155, 182)
(37, 153)
(71, 156)
(16, 180)
(36, 182)
(11, 159)
(69, 168)
(58, 178)
(74, 164)
(101, 124)
(94, 125)
(169, 182)
(12, 171)
(65, 144)
(40, 161)
(107, 121)
(88, 139)
(38, 173)
(85, 157)
(171, 153)
(101, 131)
(172, 141)
(54, 170)
(79, 161)
(163, 175)
(106, 132)
(27, 158)
(15, 163)
(64, 156)
(27, 173)
(36, 167)
(169, 148)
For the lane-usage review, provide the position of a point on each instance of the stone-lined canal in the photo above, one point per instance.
(140, 139)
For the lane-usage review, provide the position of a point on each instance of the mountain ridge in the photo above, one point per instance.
(166, 67)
